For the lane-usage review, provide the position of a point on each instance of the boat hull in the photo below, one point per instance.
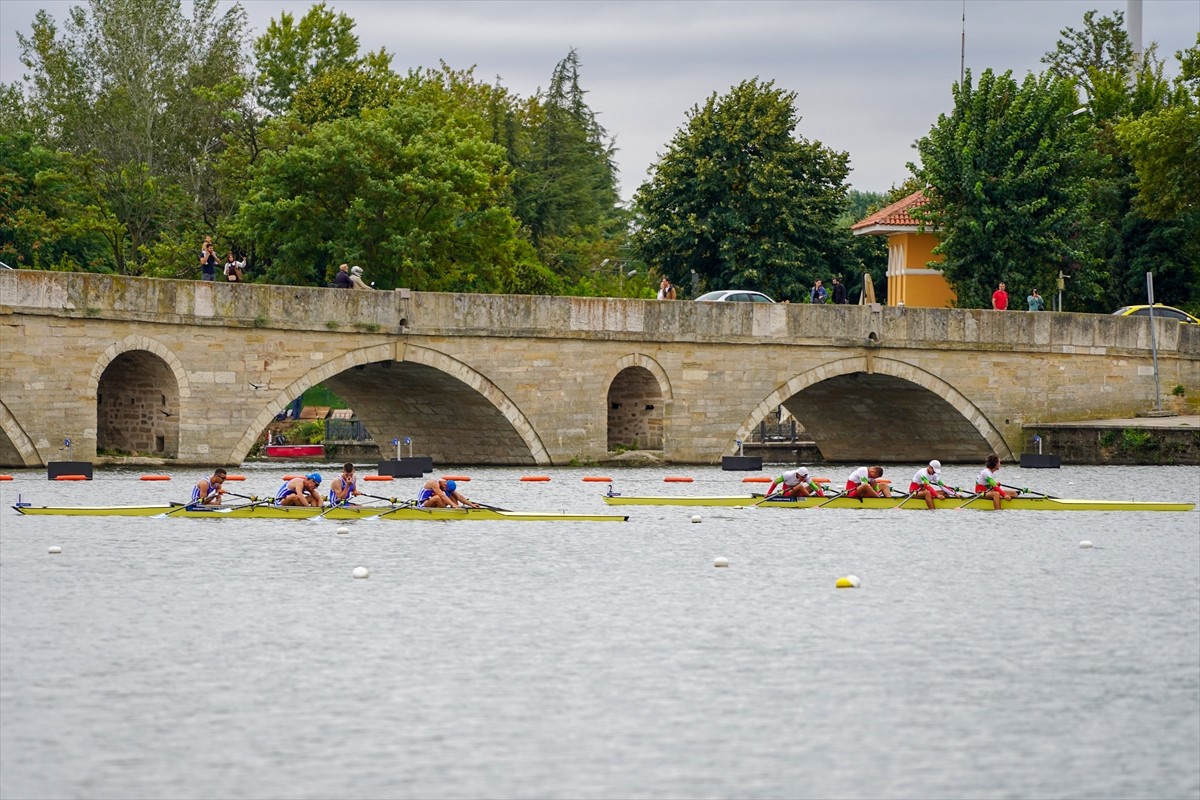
(294, 450)
(979, 503)
(302, 513)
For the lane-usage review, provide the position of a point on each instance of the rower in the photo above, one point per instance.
(864, 482)
(795, 483)
(343, 487)
(442, 493)
(208, 491)
(300, 491)
(927, 484)
(988, 485)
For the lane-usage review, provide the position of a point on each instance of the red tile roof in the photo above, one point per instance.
(895, 215)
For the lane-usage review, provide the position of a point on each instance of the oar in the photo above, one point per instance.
(967, 502)
(243, 496)
(900, 505)
(183, 507)
(492, 508)
(767, 497)
(1028, 491)
(391, 500)
(332, 506)
(835, 496)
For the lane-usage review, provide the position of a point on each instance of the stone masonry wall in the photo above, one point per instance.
(533, 374)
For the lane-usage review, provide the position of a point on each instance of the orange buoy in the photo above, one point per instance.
(5, 477)
(71, 478)
(377, 477)
(820, 480)
(677, 479)
(291, 477)
(756, 480)
(235, 477)
(597, 479)
(155, 478)
(460, 478)
(535, 478)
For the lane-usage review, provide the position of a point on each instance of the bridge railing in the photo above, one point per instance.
(403, 312)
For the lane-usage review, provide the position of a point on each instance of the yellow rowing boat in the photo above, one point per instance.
(1025, 503)
(266, 511)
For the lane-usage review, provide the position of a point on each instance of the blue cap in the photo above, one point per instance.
(315, 477)
(451, 486)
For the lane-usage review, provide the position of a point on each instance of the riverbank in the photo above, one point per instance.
(1170, 441)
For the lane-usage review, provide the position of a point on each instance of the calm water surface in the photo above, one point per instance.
(986, 655)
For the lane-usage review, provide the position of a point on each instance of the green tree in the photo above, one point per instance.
(1005, 174)
(139, 90)
(1101, 47)
(1164, 146)
(565, 185)
(741, 201)
(51, 216)
(291, 55)
(411, 192)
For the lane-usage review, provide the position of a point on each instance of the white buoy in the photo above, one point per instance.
(848, 582)
(54, 550)
(695, 517)
(1085, 545)
(361, 572)
(720, 561)
(343, 529)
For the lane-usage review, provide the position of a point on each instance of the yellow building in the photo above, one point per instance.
(910, 280)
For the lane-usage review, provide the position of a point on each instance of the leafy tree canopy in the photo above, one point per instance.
(409, 192)
(741, 201)
(1005, 170)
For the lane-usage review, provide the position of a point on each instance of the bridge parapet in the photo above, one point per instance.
(524, 316)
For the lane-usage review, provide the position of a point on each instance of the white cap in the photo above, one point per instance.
(802, 470)
(935, 464)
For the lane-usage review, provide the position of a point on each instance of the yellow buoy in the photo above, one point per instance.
(848, 582)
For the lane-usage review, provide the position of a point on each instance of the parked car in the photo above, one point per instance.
(1166, 312)
(734, 296)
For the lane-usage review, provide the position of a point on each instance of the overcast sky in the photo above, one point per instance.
(870, 76)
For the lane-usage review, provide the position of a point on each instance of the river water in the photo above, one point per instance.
(985, 655)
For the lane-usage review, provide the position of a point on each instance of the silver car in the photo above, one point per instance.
(734, 296)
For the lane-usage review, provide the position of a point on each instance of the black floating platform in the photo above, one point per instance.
(741, 463)
(406, 467)
(1041, 460)
(56, 468)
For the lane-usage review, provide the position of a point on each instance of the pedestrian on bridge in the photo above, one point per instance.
(1035, 301)
(1000, 298)
(818, 294)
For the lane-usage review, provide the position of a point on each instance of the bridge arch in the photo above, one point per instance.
(638, 390)
(16, 447)
(138, 386)
(374, 405)
(843, 429)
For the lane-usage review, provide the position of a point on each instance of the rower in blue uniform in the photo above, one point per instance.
(343, 487)
(300, 491)
(208, 491)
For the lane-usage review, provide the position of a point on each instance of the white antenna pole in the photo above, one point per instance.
(962, 54)
(1134, 22)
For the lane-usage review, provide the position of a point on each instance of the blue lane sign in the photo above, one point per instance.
(395, 442)
(407, 440)
(66, 442)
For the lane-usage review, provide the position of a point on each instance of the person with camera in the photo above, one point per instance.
(234, 270)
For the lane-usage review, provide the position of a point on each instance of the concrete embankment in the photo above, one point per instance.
(1134, 440)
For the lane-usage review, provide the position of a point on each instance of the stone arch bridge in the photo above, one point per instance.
(195, 371)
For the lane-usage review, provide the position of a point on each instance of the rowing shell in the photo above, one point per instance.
(301, 512)
(982, 503)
